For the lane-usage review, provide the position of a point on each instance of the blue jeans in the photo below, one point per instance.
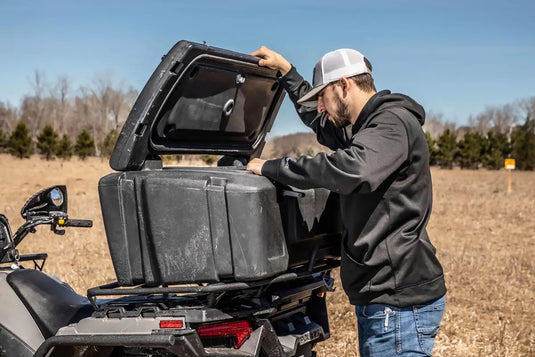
(386, 330)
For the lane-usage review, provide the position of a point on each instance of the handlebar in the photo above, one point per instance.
(29, 226)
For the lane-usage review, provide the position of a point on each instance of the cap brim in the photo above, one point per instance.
(310, 99)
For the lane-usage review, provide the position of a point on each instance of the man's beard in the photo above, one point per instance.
(342, 118)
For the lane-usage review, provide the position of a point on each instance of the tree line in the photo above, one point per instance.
(57, 121)
(493, 135)
(49, 144)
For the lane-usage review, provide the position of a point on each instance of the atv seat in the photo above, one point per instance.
(51, 303)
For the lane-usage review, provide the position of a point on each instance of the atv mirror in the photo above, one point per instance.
(52, 199)
(56, 196)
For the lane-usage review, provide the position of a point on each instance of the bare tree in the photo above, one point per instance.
(8, 117)
(103, 93)
(435, 124)
(86, 115)
(117, 105)
(499, 119)
(30, 112)
(121, 101)
(33, 106)
(527, 108)
(63, 86)
(504, 118)
(49, 112)
(111, 103)
(60, 92)
(37, 82)
(481, 122)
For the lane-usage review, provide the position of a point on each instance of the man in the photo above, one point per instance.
(380, 168)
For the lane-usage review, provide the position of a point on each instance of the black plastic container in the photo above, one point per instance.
(183, 225)
(194, 225)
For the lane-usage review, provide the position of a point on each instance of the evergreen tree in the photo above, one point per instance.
(496, 149)
(107, 145)
(523, 145)
(431, 144)
(20, 142)
(47, 142)
(64, 149)
(3, 141)
(469, 150)
(446, 148)
(85, 145)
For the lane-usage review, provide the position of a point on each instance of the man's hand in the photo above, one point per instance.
(272, 59)
(255, 165)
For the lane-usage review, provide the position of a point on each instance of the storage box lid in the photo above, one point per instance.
(200, 100)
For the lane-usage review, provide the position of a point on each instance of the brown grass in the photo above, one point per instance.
(484, 237)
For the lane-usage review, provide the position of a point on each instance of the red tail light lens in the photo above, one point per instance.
(172, 324)
(239, 331)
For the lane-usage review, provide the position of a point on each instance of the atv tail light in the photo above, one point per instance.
(172, 324)
(239, 331)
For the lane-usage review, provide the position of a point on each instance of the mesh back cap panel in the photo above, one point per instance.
(331, 67)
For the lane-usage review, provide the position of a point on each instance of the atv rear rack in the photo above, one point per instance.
(114, 289)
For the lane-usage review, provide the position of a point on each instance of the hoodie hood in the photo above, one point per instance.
(384, 100)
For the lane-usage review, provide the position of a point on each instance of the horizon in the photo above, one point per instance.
(455, 59)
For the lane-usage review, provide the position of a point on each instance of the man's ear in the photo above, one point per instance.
(345, 84)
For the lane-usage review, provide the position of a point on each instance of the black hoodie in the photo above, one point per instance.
(380, 168)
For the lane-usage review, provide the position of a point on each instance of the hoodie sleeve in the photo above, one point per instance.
(375, 153)
(327, 133)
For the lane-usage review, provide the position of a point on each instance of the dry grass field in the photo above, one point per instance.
(485, 239)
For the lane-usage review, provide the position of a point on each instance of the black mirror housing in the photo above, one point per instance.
(42, 203)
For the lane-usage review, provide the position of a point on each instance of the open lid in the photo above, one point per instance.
(200, 100)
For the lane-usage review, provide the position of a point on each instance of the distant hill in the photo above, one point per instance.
(293, 145)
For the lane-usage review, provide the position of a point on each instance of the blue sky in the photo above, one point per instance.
(454, 57)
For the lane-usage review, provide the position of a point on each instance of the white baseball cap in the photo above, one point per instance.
(331, 67)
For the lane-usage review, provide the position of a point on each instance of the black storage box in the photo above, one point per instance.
(194, 225)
